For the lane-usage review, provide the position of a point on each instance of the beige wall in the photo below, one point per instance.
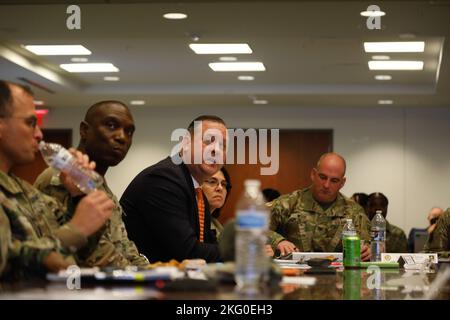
(402, 152)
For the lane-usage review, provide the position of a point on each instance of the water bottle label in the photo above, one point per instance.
(249, 219)
(377, 235)
(62, 159)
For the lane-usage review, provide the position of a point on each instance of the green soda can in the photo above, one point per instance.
(351, 251)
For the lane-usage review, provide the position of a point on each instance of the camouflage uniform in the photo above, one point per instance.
(440, 241)
(110, 246)
(37, 226)
(395, 239)
(5, 239)
(298, 218)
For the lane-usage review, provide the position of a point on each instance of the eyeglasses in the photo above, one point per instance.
(214, 183)
(30, 121)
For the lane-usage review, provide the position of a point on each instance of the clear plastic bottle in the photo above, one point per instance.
(349, 229)
(378, 236)
(351, 245)
(252, 264)
(58, 157)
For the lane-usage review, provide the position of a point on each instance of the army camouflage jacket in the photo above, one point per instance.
(37, 226)
(110, 246)
(5, 239)
(298, 218)
(395, 239)
(440, 241)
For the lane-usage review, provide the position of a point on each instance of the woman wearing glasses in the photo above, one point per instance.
(216, 190)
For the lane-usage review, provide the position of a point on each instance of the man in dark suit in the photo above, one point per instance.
(165, 212)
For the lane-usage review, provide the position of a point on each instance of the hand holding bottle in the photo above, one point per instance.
(72, 164)
(83, 161)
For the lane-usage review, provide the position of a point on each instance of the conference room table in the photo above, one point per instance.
(338, 284)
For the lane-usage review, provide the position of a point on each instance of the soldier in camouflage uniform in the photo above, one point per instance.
(312, 219)
(43, 236)
(5, 239)
(106, 136)
(440, 241)
(395, 237)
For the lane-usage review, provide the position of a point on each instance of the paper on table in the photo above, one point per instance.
(306, 281)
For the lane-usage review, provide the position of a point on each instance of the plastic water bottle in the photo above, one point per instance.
(349, 229)
(378, 236)
(58, 157)
(351, 245)
(252, 264)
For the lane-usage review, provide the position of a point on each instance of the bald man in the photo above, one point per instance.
(311, 219)
(105, 136)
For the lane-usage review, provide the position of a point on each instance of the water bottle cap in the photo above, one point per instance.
(379, 211)
(252, 183)
(348, 220)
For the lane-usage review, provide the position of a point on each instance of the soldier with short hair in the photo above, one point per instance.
(440, 240)
(106, 135)
(312, 219)
(395, 237)
(43, 236)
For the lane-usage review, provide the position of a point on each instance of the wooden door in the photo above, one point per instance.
(299, 151)
(30, 171)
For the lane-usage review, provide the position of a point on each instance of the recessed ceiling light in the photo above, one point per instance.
(396, 65)
(220, 48)
(383, 77)
(175, 16)
(237, 66)
(228, 59)
(385, 102)
(111, 78)
(78, 59)
(38, 103)
(58, 50)
(89, 67)
(380, 57)
(403, 46)
(260, 101)
(373, 13)
(137, 102)
(246, 78)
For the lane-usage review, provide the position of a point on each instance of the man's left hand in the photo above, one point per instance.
(365, 253)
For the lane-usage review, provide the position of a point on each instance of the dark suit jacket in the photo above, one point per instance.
(161, 215)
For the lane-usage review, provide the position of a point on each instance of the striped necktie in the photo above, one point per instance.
(201, 212)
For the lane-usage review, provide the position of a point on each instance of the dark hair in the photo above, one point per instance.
(377, 195)
(216, 213)
(92, 109)
(361, 198)
(270, 194)
(6, 98)
(205, 118)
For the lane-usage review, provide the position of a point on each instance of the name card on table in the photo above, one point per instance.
(410, 258)
(305, 256)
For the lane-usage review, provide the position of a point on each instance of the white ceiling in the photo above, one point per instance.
(312, 50)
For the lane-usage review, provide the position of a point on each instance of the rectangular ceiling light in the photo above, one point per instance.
(396, 65)
(89, 67)
(59, 50)
(237, 66)
(403, 46)
(220, 48)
